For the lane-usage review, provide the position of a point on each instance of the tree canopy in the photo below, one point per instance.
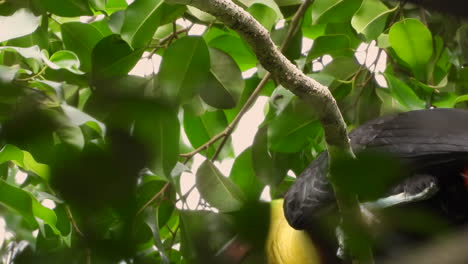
(91, 154)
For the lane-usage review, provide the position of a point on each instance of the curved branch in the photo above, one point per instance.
(314, 94)
(287, 74)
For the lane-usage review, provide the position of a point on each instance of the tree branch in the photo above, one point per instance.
(253, 97)
(287, 74)
(312, 92)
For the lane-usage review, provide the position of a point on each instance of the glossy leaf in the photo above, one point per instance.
(116, 21)
(64, 59)
(39, 37)
(78, 118)
(24, 160)
(67, 8)
(195, 235)
(243, 175)
(341, 68)
(26, 205)
(151, 220)
(143, 17)
(200, 129)
(225, 84)
(235, 47)
(113, 57)
(293, 128)
(267, 164)
(327, 11)
(81, 38)
(99, 5)
(189, 58)
(21, 23)
(371, 18)
(403, 93)
(158, 126)
(263, 14)
(218, 190)
(412, 42)
(113, 6)
(334, 45)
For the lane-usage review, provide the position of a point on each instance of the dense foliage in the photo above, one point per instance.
(103, 149)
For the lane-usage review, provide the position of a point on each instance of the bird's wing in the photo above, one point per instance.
(426, 137)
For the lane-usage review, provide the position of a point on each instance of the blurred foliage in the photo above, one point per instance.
(105, 146)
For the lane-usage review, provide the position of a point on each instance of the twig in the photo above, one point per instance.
(164, 40)
(185, 195)
(156, 196)
(253, 97)
(73, 222)
(32, 76)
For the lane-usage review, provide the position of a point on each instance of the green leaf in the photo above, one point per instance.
(39, 37)
(293, 128)
(341, 68)
(152, 221)
(27, 206)
(103, 27)
(143, 17)
(334, 45)
(81, 39)
(28, 53)
(113, 57)
(113, 6)
(219, 191)
(293, 50)
(200, 129)
(21, 23)
(462, 98)
(268, 3)
(203, 235)
(99, 5)
(201, 15)
(264, 15)
(116, 21)
(72, 136)
(184, 69)
(243, 175)
(236, 47)
(67, 8)
(158, 127)
(403, 93)
(79, 118)
(267, 164)
(288, 2)
(328, 11)
(225, 84)
(412, 42)
(8, 74)
(383, 41)
(24, 160)
(371, 18)
(64, 59)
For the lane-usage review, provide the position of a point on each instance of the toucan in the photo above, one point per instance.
(432, 147)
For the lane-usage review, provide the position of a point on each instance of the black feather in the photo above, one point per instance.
(425, 139)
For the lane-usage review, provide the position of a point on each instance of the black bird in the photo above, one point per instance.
(431, 145)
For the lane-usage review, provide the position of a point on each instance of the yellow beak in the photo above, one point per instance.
(286, 245)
